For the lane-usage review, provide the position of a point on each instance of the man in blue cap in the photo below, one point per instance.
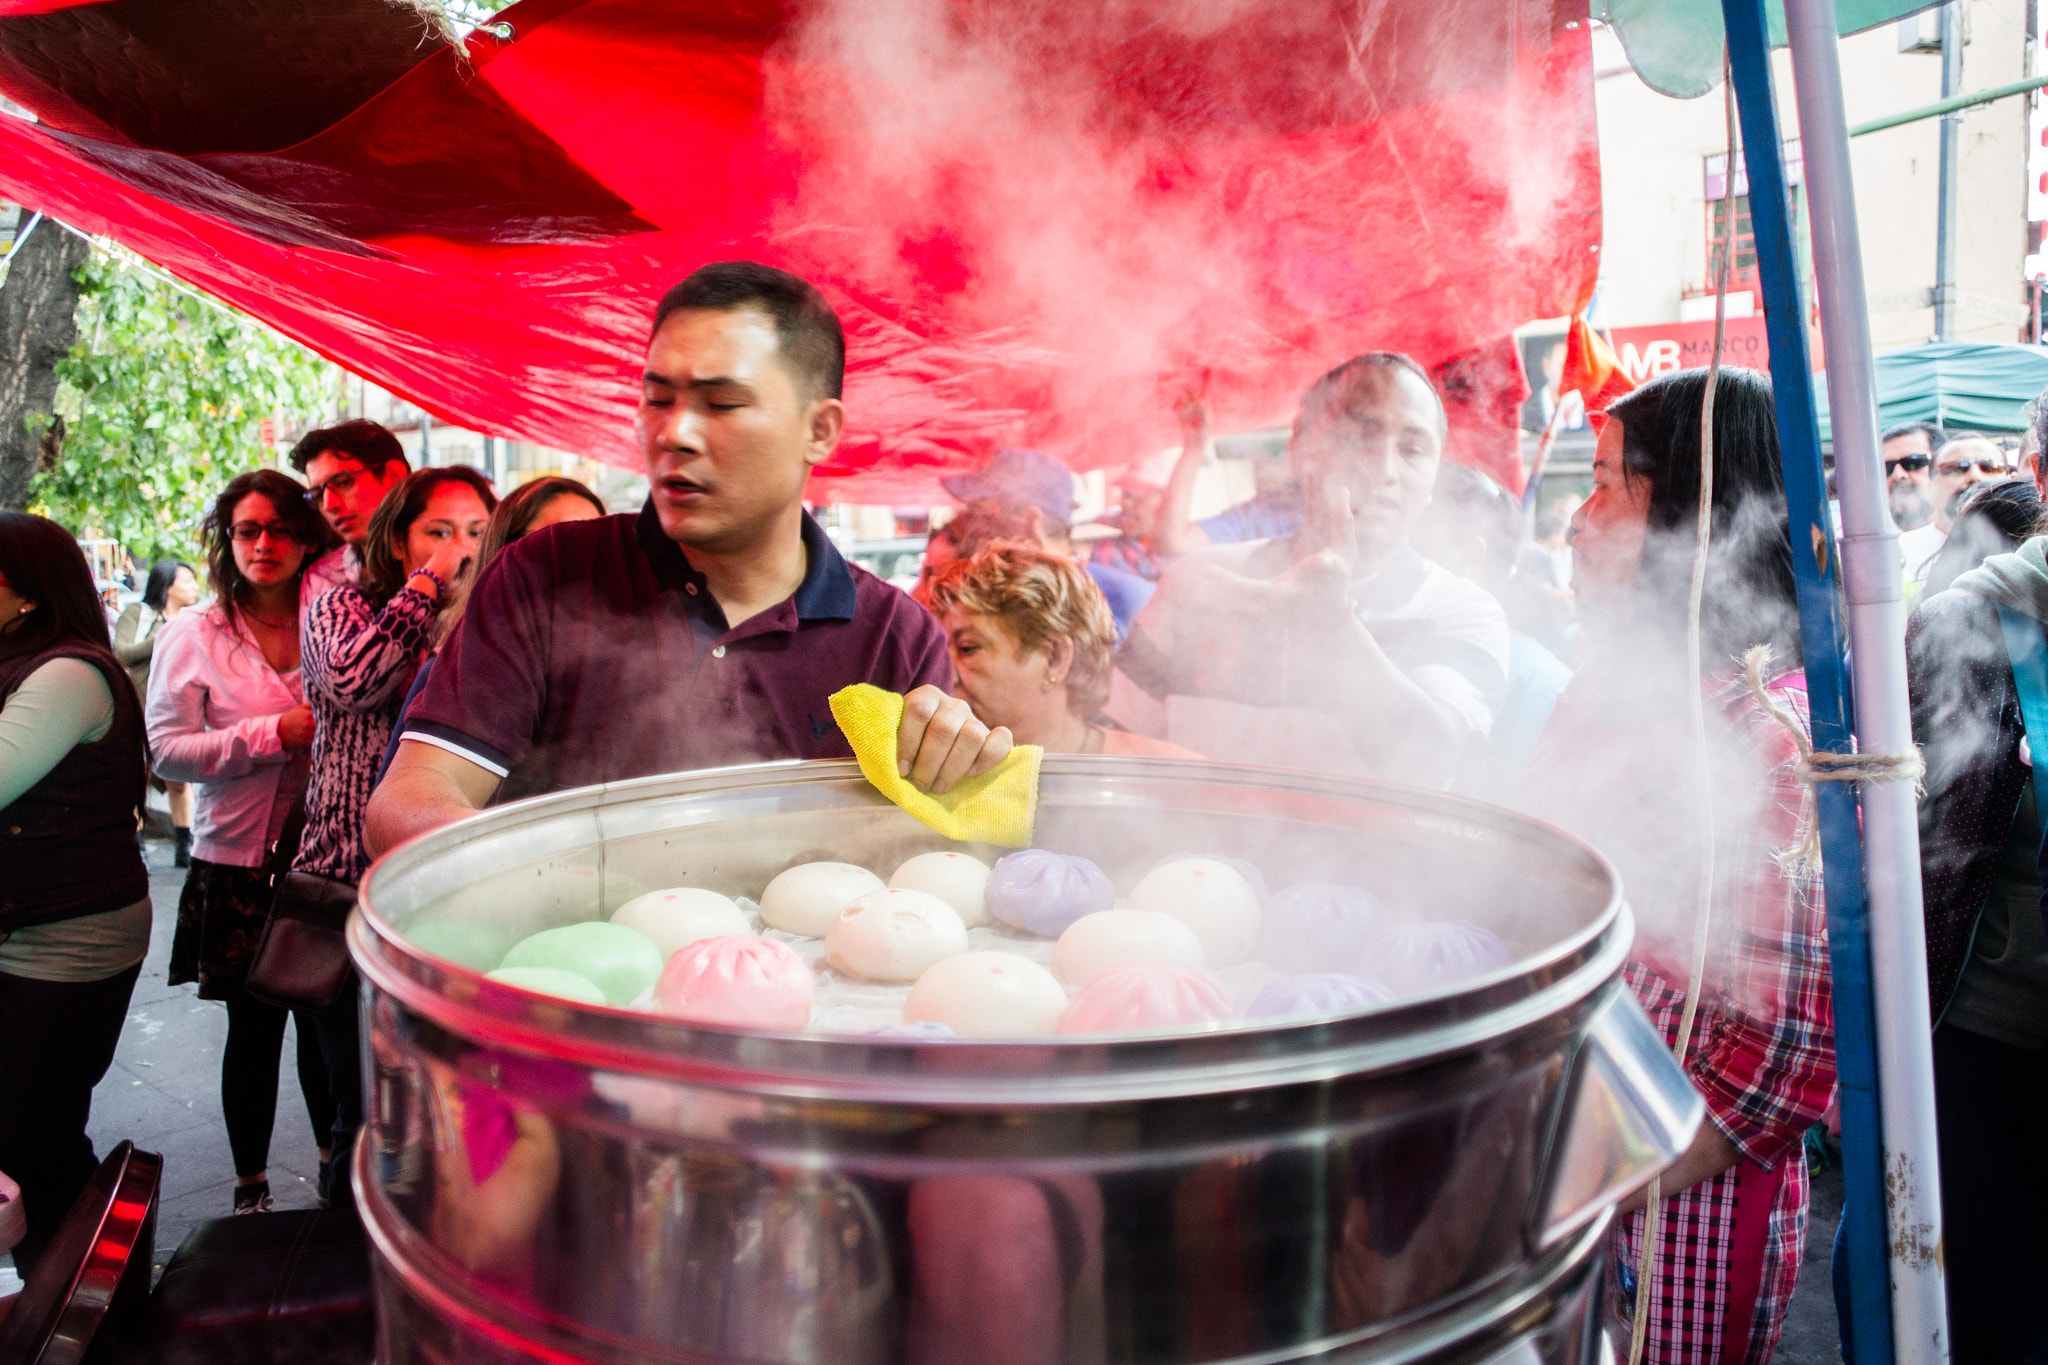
(1037, 491)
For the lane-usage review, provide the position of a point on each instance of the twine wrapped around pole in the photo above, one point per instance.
(1814, 768)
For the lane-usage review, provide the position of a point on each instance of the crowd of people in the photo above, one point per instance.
(388, 650)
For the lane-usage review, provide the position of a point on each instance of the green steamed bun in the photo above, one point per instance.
(622, 962)
(550, 981)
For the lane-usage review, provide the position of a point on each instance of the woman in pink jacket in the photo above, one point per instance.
(227, 712)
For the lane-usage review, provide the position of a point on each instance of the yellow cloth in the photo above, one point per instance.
(999, 807)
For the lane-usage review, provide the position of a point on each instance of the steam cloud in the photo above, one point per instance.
(1061, 214)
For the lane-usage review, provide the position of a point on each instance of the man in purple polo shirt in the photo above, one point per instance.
(709, 628)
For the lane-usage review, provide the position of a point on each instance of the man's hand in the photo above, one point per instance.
(295, 727)
(1315, 592)
(940, 741)
(1191, 409)
(1327, 526)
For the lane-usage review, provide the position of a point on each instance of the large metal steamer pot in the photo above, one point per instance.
(1430, 1180)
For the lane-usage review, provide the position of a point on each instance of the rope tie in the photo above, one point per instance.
(1814, 767)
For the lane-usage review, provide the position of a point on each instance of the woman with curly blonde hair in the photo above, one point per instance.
(1031, 638)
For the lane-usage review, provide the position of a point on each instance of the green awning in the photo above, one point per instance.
(1675, 45)
(1959, 385)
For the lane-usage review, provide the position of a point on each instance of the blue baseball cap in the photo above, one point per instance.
(1014, 474)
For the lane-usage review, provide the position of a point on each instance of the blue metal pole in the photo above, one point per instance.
(1827, 680)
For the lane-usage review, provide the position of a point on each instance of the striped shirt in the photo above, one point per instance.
(358, 662)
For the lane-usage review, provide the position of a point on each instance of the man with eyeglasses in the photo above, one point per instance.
(1908, 464)
(348, 470)
(1958, 463)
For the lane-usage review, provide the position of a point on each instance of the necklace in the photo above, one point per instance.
(266, 621)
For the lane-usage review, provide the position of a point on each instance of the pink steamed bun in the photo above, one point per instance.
(737, 981)
(1148, 998)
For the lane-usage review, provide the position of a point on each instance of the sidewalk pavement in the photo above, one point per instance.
(164, 1088)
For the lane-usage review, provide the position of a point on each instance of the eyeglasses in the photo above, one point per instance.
(249, 532)
(1987, 465)
(1912, 464)
(340, 484)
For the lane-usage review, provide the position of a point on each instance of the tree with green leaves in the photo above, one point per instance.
(163, 397)
(38, 323)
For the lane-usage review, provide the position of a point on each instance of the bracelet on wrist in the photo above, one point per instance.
(440, 586)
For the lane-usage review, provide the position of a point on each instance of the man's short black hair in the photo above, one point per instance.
(1316, 402)
(359, 439)
(1936, 437)
(806, 328)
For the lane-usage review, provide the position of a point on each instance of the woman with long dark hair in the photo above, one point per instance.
(227, 713)
(362, 643)
(171, 588)
(74, 894)
(1620, 764)
(533, 506)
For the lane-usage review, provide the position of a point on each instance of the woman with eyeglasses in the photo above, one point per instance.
(74, 894)
(364, 641)
(227, 713)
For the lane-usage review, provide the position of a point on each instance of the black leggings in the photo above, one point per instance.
(57, 1039)
(248, 1080)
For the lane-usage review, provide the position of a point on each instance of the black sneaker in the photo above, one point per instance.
(324, 1185)
(253, 1198)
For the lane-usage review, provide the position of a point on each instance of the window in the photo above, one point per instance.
(1724, 200)
(1742, 273)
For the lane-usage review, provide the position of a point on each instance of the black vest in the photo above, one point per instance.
(68, 846)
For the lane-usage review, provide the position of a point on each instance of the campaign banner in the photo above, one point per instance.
(1647, 352)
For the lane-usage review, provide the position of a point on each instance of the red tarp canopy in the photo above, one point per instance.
(1039, 221)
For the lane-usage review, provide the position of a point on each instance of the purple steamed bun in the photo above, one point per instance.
(1237, 865)
(923, 1028)
(1042, 892)
(1312, 926)
(1423, 956)
(1317, 993)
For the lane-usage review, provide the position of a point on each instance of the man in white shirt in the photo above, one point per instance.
(348, 468)
(1338, 649)
(1958, 463)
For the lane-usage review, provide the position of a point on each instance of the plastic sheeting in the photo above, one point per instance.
(1040, 221)
(1675, 45)
(1959, 385)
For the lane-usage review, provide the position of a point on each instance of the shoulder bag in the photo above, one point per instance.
(301, 961)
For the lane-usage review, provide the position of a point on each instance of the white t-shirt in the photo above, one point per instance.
(1244, 691)
(1918, 547)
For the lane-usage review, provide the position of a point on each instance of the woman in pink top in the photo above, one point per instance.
(1031, 639)
(227, 713)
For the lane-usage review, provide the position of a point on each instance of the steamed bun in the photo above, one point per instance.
(1042, 892)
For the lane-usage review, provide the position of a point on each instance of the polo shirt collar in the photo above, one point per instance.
(826, 594)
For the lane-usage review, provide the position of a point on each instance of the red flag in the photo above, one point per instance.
(1593, 371)
(1025, 214)
(1483, 390)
